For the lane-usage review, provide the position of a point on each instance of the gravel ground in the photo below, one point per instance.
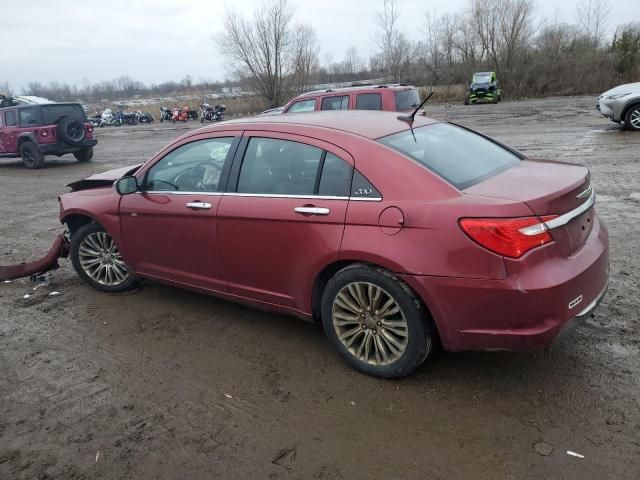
(168, 384)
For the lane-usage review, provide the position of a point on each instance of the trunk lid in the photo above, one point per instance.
(547, 188)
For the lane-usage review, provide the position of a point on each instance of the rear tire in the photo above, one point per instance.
(96, 259)
(466, 100)
(632, 118)
(84, 155)
(71, 131)
(376, 322)
(31, 155)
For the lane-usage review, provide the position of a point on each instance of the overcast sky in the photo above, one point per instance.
(154, 41)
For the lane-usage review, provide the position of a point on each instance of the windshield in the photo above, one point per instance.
(481, 78)
(461, 157)
(53, 112)
(407, 99)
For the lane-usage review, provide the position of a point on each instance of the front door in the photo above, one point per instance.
(282, 217)
(170, 227)
(8, 131)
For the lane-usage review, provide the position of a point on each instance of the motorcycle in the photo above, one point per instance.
(107, 119)
(95, 120)
(181, 115)
(165, 114)
(144, 117)
(212, 114)
(193, 114)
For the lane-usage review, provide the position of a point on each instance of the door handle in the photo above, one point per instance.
(199, 205)
(312, 210)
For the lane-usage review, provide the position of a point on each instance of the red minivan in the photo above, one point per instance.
(393, 235)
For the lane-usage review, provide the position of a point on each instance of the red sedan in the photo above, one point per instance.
(394, 236)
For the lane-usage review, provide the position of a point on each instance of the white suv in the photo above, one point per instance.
(622, 104)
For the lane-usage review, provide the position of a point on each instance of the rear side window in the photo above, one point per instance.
(335, 103)
(406, 99)
(461, 157)
(274, 166)
(336, 177)
(27, 117)
(11, 118)
(303, 106)
(363, 188)
(369, 101)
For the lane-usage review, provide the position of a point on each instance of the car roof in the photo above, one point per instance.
(355, 88)
(366, 123)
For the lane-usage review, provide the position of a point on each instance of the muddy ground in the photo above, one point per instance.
(169, 384)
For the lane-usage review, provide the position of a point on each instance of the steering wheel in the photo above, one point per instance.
(175, 187)
(204, 175)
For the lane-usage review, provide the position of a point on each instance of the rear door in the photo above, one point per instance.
(282, 218)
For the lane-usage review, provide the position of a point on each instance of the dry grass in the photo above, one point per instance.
(444, 93)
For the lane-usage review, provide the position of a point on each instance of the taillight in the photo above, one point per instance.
(511, 237)
(44, 133)
(89, 128)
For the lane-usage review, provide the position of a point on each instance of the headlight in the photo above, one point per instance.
(615, 97)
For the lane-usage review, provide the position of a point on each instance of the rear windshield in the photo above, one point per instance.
(407, 99)
(461, 157)
(52, 113)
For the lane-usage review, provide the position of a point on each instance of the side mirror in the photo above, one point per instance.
(127, 185)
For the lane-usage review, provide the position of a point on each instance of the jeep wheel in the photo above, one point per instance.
(466, 100)
(31, 156)
(84, 155)
(494, 99)
(632, 118)
(71, 131)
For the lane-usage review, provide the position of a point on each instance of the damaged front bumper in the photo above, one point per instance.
(59, 249)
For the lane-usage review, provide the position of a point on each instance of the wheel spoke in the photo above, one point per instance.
(370, 323)
(100, 259)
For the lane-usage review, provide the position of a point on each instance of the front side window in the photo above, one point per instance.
(461, 157)
(335, 103)
(274, 166)
(303, 106)
(194, 167)
(11, 119)
(369, 101)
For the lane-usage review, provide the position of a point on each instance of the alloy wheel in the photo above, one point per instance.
(370, 323)
(635, 118)
(101, 260)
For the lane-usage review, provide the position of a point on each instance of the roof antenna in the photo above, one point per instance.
(410, 118)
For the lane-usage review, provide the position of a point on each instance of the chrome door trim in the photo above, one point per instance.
(263, 195)
(567, 217)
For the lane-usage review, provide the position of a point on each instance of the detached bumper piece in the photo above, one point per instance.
(59, 249)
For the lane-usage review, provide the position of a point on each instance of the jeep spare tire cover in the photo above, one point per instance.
(71, 131)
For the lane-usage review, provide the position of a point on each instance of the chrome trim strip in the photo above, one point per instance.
(263, 195)
(586, 192)
(567, 217)
(595, 302)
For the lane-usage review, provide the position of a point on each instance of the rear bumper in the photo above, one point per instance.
(523, 312)
(62, 148)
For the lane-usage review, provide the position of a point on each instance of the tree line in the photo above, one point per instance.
(272, 55)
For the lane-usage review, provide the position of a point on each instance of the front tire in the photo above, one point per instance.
(632, 118)
(376, 322)
(84, 155)
(31, 156)
(97, 260)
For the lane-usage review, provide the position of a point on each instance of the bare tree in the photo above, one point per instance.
(305, 57)
(5, 89)
(592, 18)
(352, 61)
(431, 31)
(264, 49)
(389, 39)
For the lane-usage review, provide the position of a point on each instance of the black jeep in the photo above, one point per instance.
(33, 130)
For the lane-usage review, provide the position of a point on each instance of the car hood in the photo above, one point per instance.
(103, 179)
(621, 89)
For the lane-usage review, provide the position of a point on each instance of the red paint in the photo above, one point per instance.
(260, 251)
